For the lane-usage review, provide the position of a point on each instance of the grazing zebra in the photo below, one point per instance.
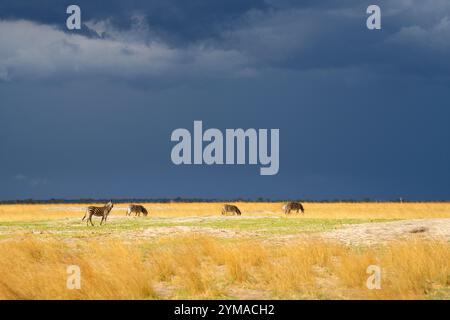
(137, 210)
(230, 208)
(99, 212)
(292, 206)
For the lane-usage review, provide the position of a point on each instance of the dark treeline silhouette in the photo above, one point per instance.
(187, 200)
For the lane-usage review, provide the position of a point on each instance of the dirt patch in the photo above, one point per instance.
(157, 232)
(380, 232)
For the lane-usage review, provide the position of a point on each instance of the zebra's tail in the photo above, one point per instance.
(85, 214)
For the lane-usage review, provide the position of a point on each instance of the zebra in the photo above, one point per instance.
(231, 208)
(137, 209)
(292, 206)
(99, 212)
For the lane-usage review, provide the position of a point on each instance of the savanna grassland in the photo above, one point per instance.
(188, 250)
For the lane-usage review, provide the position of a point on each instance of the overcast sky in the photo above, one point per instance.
(89, 113)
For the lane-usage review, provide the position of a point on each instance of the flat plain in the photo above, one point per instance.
(189, 250)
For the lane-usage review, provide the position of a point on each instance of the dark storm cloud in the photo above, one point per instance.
(178, 20)
(233, 39)
(361, 113)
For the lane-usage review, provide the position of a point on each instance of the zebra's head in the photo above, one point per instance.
(109, 205)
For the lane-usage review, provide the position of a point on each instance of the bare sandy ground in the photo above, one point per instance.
(185, 230)
(351, 234)
(381, 232)
(355, 234)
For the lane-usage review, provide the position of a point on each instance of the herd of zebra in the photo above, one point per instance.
(138, 210)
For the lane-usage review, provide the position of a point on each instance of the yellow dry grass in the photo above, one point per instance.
(335, 210)
(205, 267)
(33, 269)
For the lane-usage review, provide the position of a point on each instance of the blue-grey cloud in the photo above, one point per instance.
(30, 50)
(361, 113)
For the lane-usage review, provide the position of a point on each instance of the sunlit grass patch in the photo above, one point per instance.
(37, 269)
(206, 267)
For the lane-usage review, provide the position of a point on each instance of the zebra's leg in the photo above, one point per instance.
(84, 217)
(103, 218)
(90, 220)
